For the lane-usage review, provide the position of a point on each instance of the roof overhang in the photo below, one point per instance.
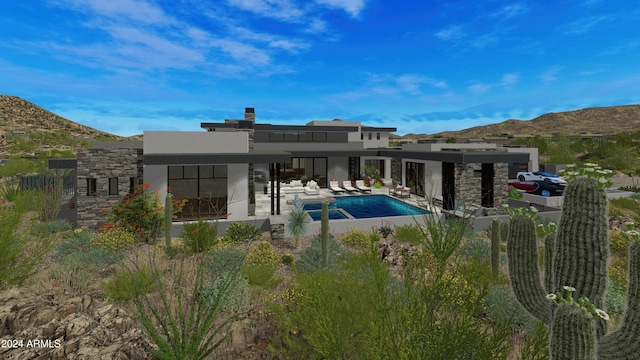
(217, 158)
(459, 157)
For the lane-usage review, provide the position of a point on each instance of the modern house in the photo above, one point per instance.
(215, 169)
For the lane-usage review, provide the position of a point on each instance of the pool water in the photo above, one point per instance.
(334, 214)
(367, 206)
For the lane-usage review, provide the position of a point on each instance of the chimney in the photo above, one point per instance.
(250, 115)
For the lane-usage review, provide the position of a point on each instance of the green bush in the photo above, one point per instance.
(311, 259)
(263, 255)
(128, 284)
(410, 233)
(223, 259)
(356, 238)
(618, 243)
(241, 231)
(20, 254)
(616, 300)
(503, 307)
(200, 236)
(288, 259)
(237, 294)
(49, 227)
(115, 239)
(141, 212)
(477, 247)
(78, 249)
(260, 275)
(359, 311)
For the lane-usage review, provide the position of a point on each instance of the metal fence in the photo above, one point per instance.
(46, 182)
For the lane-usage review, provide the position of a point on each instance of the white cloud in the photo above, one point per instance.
(479, 88)
(277, 9)
(451, 33)
(352, 7)
(509, 79)
(584, 25)
(551, 74)
(135, 10)
(511, 11)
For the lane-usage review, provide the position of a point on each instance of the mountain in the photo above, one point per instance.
(25, 128)
(598, 120)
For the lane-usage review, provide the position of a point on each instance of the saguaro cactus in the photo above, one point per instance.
(578, 262)
(168, 219)
(495, 247)
(324, 232)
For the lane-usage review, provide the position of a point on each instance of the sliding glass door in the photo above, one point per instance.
(414, 177)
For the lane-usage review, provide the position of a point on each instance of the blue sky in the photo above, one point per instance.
(124, 66)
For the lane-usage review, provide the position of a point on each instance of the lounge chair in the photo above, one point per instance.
(312, 188)
(400, 191)
(335, 187)
(347, 186)
(361, 186)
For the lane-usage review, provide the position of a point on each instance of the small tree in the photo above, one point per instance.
(298, 220)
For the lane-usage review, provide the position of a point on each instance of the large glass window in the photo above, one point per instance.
(204, 187)
(415, 177)
(297, 136)
(305, 169)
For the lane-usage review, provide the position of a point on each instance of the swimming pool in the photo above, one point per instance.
(364, 207)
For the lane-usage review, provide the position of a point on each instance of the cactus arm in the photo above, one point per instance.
(549, 248)
(523, 268)
(571, 335)
(324, 232)
(624, 342)
(495, 247)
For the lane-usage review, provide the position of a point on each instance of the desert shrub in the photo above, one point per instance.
(78, 249)
(618, 277)
(263, 255)
(618, 243)
(237, 294)
(128, 284)
(503, 307)
(536, 346)
(260, 275)
(115, 238)
(49, 227)
(141, 212)
(241, 231)
(477, 247)
(360, 311)
(200, 236)
(20, 254)
(288, 259)
(9, 191)
(356, 238)
(311, 259)
(222, 259)
(410, 233)
(616, 300)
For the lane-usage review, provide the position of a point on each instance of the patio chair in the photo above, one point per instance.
(335, 187)
(361, 186)
(400, 191)
(347, 186)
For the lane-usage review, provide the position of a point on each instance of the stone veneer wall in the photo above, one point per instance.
(102, 164)
(396, 170)
(469, 187)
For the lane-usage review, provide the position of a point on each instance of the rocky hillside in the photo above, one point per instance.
(600, 120)
(20, 117)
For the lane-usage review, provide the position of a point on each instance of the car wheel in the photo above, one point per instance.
(521, 178)
(545, 193)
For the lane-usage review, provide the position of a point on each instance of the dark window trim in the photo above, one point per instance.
(92, 187)
(113, 186)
